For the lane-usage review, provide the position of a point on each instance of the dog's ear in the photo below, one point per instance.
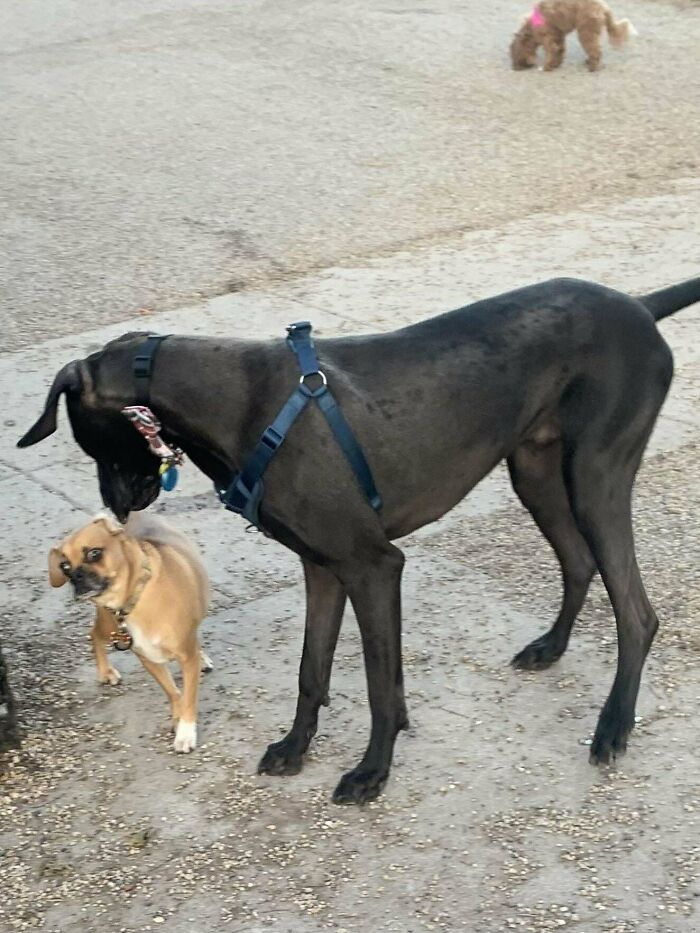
(67, 379)
(56, 576)
(107, 522)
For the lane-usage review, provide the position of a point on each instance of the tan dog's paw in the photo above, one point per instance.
(185, 737)
(111, 677)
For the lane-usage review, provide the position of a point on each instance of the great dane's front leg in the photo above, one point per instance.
(325, 602)
(375, 592)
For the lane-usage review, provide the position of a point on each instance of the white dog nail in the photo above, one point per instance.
(185, 737)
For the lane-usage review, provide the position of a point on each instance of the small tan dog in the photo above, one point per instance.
(550, 21)
(151, 591)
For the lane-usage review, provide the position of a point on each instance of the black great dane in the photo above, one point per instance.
(563, 379)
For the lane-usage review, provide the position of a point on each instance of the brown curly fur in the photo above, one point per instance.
(588, 17)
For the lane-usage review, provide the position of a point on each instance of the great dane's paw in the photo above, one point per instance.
(538, 655)
(609, 742)
(360, 786)
(281, 758)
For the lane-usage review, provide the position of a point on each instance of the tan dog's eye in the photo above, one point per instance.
(93, 554)
(64, 566)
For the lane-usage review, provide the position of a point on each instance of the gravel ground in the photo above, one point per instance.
(492, 820)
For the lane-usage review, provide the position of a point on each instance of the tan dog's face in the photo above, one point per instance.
(90, 558)
(523, 48)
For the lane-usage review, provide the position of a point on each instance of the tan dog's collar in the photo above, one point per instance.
(121, 638)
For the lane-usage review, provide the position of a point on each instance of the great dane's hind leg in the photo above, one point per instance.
(537, 476)
(374, 588)
(325, 602)
(605, 513)
(600, 477)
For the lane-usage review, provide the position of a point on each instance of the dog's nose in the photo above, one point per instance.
(80, 580)
(87, 583)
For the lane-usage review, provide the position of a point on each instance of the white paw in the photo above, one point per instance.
(205, 662)
(185, 737)
(112, 677)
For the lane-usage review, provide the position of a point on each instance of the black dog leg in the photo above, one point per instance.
(9, 736)
(600, 475)
(325, 602)
(537, 475)
(375, 592)
(611, 539)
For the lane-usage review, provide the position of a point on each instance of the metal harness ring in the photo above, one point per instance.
(319, 372)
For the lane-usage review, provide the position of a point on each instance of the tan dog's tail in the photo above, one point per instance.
(620, 31)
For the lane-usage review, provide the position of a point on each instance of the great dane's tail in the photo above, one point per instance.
(669, 300)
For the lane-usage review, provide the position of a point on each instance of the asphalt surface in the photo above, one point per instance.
(386, 166)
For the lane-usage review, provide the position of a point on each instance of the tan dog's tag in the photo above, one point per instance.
(122, 641)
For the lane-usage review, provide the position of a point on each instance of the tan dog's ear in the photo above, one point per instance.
(107, 522)
(56, 576)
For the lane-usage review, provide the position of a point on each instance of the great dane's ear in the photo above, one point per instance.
(67, 380)
(56, 576)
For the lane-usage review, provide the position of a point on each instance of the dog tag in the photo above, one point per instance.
(168, 477)
(122, 641)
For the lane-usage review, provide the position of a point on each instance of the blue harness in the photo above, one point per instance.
(245, 492)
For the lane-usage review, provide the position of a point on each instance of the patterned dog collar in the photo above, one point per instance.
(120, 638)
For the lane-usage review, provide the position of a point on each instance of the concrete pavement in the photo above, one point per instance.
(492, 819)
(156, 153)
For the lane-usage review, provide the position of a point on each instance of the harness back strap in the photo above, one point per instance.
(300, 341)
(245, 493)
(143, 367)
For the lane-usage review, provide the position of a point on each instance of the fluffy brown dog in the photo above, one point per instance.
(551, 20)
(151, 592)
